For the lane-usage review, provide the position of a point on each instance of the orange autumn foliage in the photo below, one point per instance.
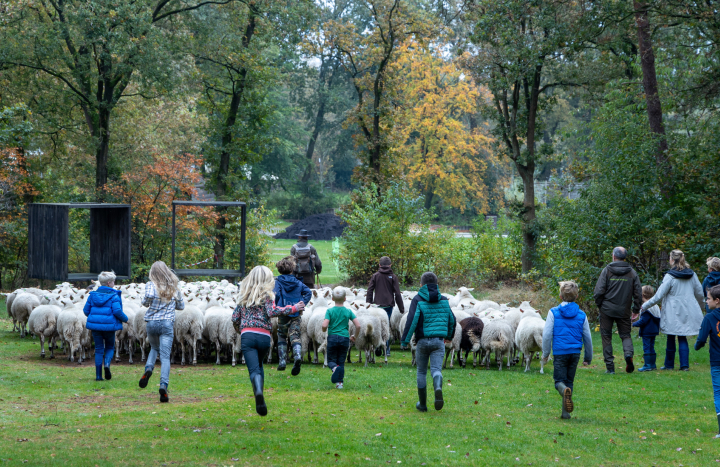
(436, 148)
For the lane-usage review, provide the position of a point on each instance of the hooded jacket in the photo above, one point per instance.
(568, 325)
(104, 310)
(618, 290)
(289, 290)
(682, 303)
(649, 322)
(429, 316)
(710, 329)
(384, 289)
(712, 279)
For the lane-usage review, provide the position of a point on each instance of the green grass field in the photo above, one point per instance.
(52, 412)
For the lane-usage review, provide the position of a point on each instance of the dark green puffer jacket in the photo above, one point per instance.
(429, 316)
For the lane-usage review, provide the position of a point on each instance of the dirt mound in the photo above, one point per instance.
(319, 227)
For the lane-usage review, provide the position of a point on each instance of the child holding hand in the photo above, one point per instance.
(338, 339)
(649, 324)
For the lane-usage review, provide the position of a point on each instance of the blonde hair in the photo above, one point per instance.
(648, 291)
(166, 282)
(713, 263)
(106, 276)
(338, 294)
(568, 291)
(257, 287)
(677, 260)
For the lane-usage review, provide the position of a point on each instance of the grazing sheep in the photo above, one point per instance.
(188, 329)
(382, 317)
(369, 336)
(230, 338)
(497, 337)
(395, 318)
(514, 316)
(316, 334)
(71, 329)
(472, 330)
(529, 339)
(403, 322)
(486, 304)
(140, 331)
(214, 319)
(8, 305)
(42, 323)
(463, 294)
(126, 335)
(22, 306)
(453, 346)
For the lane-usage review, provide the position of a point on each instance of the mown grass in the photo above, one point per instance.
(52, 412)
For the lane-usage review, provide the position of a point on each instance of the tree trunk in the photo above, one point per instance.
(319, 117)
(101, 151)
(429, 198)
(647, 62)
(527, 174)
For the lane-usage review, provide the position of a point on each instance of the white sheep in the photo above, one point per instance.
(369, 337)
(316, 334)
(382, 317)
(42, 323)
(188, 329)
(497, 337)
(529, 340)
(9, 298)
(126, 336)
(140, 331)
(453, 346)
(71, 327)
(513, 316)
(22, 306)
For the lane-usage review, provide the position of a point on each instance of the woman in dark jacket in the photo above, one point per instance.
(105, 316)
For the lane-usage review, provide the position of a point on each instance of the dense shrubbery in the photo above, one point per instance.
(301, 204)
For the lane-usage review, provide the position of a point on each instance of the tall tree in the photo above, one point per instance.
(524, 50)
(101, 51)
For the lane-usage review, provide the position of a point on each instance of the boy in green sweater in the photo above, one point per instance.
(338, 338)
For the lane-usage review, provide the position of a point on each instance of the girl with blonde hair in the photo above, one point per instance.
(681, 310)
(251, 319)
(162, 298)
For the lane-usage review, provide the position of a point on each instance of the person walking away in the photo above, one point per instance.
(162, 298)
(649, 324)
(617, 291)
(432, 321)
(681, 310)
(713, 277)
(289, 290)
(566, 332)
(104, 316)
(307, 260)
(384, 291)
(251, 319)
(710, 329)
(338, 336)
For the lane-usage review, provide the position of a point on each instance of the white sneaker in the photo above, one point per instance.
(716, 436)
(338, 386)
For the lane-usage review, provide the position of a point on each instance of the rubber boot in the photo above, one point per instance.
(422, 400)
(257, 384)
(282, 356)
(567, 403)
(98, 373)
(629, 366)
(718, 417)
(297, 356)
(649, 363)
(437, 385)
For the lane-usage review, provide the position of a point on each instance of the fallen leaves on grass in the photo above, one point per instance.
(22, 440)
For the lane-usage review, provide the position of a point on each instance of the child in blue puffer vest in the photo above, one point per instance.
(710, 329)
(566, 331)
(649, 324)
(104, 316)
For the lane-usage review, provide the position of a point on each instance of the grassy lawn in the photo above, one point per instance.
(281, 248)
(52, 412)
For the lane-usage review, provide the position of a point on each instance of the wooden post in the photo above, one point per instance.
(243, 217)
(172, 264)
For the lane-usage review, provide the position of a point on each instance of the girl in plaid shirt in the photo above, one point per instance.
(251, 319)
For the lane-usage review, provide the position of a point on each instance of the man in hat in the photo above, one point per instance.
(307, 261)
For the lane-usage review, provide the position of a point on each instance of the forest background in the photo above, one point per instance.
(581, 125)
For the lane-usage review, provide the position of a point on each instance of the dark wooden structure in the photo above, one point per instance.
(213, 272)
(48, 240)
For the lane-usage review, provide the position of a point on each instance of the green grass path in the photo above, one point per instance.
(53, 413)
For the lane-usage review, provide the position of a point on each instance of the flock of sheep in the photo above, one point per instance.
(483, 327)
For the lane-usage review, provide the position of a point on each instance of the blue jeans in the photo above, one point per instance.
(670, 352)
(337, 349)
(104, 347)
(430, 349)
(160, 336)
(564, 368)
(255, 348)
(715, 375)
(649, 345)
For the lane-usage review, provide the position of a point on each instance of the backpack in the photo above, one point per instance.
(304, 264)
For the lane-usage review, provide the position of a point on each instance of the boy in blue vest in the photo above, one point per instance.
(710, 328)
(649, 324)
(566, 330)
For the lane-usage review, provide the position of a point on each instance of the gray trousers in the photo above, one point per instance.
(429, 349)
(160, 337)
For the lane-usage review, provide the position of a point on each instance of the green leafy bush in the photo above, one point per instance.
(257, 244)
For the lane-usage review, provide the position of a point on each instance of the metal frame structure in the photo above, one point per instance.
(212, 272)
(48, 240)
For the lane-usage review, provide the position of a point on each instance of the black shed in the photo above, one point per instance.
(48, 243)
(213, 272)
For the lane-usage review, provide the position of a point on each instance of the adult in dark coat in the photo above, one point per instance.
(307, 261)
(618, 295)
(384, 291)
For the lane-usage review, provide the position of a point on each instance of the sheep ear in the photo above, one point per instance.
(522, 311)
(207, 298)
(315, 293)
(471, 289)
